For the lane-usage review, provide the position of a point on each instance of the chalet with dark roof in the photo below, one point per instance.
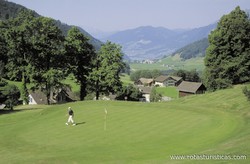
(145, 92)
(62, 96)
(168, 80)
(144, 82)
(189, 88)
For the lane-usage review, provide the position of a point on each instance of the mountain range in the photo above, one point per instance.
(141, 43)
(149, 42)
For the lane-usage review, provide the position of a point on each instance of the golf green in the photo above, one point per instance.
(214, 123)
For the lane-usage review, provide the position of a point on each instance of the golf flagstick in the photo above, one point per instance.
(105, 118)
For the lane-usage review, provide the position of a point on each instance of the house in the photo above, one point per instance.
(2, 106)
(189, 88)
(145, 92)
(144, 82)
(61, 96)
(167, 81)
(37, 97)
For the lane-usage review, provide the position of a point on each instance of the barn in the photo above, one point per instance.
(190, 88)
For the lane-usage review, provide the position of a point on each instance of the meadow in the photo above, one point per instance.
(169, 91)
(172, 63)
(136, 132)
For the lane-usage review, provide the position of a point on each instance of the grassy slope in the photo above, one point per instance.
(214, 123)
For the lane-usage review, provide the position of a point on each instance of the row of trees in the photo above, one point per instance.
(192, 75)
(136, 75)
(34, 50)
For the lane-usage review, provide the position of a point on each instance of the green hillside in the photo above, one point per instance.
(193, 50)
(211, 124)
(172, 63)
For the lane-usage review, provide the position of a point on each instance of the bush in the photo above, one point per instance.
(246, 91)
(12, 94)
(154, 96)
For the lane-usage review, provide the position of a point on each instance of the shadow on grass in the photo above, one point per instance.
(8, 111)
(80, 123)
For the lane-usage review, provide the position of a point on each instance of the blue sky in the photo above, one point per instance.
(116, 15)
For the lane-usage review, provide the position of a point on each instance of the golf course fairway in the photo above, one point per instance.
(215, 124)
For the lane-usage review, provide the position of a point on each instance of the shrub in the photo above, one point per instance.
(246, 91)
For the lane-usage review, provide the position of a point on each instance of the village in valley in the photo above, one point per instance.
(145, 85)
(184, 88)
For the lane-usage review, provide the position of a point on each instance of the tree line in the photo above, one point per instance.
(34, 50)
(191, 75)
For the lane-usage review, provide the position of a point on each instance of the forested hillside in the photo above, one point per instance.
(10, 9)
(192, 50)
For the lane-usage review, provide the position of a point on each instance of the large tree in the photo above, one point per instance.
(79, 54)
(227, 58)
(48, 59)
(3, 48)
(108, 65)
(19, 48)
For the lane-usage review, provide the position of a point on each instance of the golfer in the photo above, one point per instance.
(71, 115)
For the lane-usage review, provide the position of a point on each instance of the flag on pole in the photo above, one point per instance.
(105, 119)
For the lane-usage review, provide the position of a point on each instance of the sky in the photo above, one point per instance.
(118, 15)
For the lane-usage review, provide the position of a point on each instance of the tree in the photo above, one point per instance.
(3, 83)
(48, 59)
(12, 94)
(181, 73)
(135, 76)
(19, 49)
(79, 54)
(3, 48)
(2, 65)
(154, 96)
(129, 93)
(192, 75)
(108, 65)
(227, 58)
(246, 91)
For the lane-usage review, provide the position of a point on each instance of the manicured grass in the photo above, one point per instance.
(214, 123)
